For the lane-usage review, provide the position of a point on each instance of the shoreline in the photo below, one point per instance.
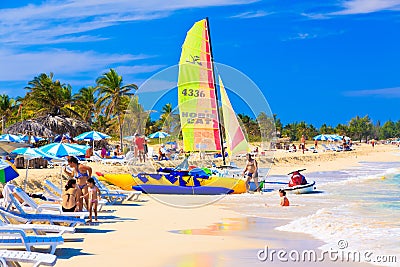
(149, 233)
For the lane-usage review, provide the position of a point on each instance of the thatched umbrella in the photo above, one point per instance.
(60, 124)
(29, 127)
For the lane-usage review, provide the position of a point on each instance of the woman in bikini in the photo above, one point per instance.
(251, 171)
(81, 173)
(70, 198)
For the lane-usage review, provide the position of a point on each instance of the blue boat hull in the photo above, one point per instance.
(182, 190)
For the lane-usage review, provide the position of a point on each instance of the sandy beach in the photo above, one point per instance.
(149, 233)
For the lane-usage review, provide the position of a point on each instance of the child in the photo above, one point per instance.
(94, 196)
(284, 199)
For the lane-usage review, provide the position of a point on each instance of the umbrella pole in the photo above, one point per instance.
(61, 177)
(26, 175)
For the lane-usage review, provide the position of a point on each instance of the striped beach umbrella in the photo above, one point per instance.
(63, 149)
(92, 135)
(7, 171)
(10, 138)
(158, 135)
(322, 137)
(32, 139)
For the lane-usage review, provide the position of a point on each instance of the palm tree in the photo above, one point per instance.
(48, 96)
(111, 97)
(85, 103)
(7, 104)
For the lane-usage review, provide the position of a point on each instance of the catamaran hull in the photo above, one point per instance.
(182, 190)
(301, 189)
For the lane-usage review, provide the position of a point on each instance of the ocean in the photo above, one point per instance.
(353, 210)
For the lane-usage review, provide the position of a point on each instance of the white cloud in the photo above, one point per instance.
(367, 6)
(353, 7)
(60, 21)
(385, 92)
(17, 65)
(252, 14)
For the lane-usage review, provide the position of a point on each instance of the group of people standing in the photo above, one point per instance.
(80, 188)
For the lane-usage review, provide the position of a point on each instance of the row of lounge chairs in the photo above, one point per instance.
(31, 225)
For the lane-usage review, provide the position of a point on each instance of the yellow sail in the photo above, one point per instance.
(235, 139)
(196, 92)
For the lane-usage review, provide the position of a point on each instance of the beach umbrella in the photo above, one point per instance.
(92, 136)
(30, 139)
(62, 150)
(322, 137)
(29, 153)
(60, 137)
(158, 135)
(10, 138)
(7, 171)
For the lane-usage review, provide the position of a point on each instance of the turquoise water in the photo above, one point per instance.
(359, 205)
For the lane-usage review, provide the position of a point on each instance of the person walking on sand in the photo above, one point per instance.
(303, 143)
(251, 171)
(284, 199)
(93, 195)
(81, 173)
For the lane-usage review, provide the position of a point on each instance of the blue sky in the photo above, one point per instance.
(318, 61)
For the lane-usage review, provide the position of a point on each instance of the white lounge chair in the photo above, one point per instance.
(46, 218)
(50, 195)
(13, 257)
(116, 196)
(38, 229)
(29, 205)
(18, 237)
(58, 193)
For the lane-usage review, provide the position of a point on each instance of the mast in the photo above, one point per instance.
(216, 94)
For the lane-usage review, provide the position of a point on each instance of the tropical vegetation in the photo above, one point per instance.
(109, 102)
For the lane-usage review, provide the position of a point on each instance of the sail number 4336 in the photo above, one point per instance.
(192, 92)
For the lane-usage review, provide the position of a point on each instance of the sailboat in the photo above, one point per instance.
(200, 124)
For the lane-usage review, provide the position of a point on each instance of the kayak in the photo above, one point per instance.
(301, 189)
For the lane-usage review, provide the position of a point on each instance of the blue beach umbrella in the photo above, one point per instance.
(59, 137)
(10, 138)
(29, 153)
(7, 172)
(158, 135)
(62, 150)
(322, 137)
(92, 135)
(33, 139)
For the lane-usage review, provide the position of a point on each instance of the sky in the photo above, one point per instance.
(314, 61)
